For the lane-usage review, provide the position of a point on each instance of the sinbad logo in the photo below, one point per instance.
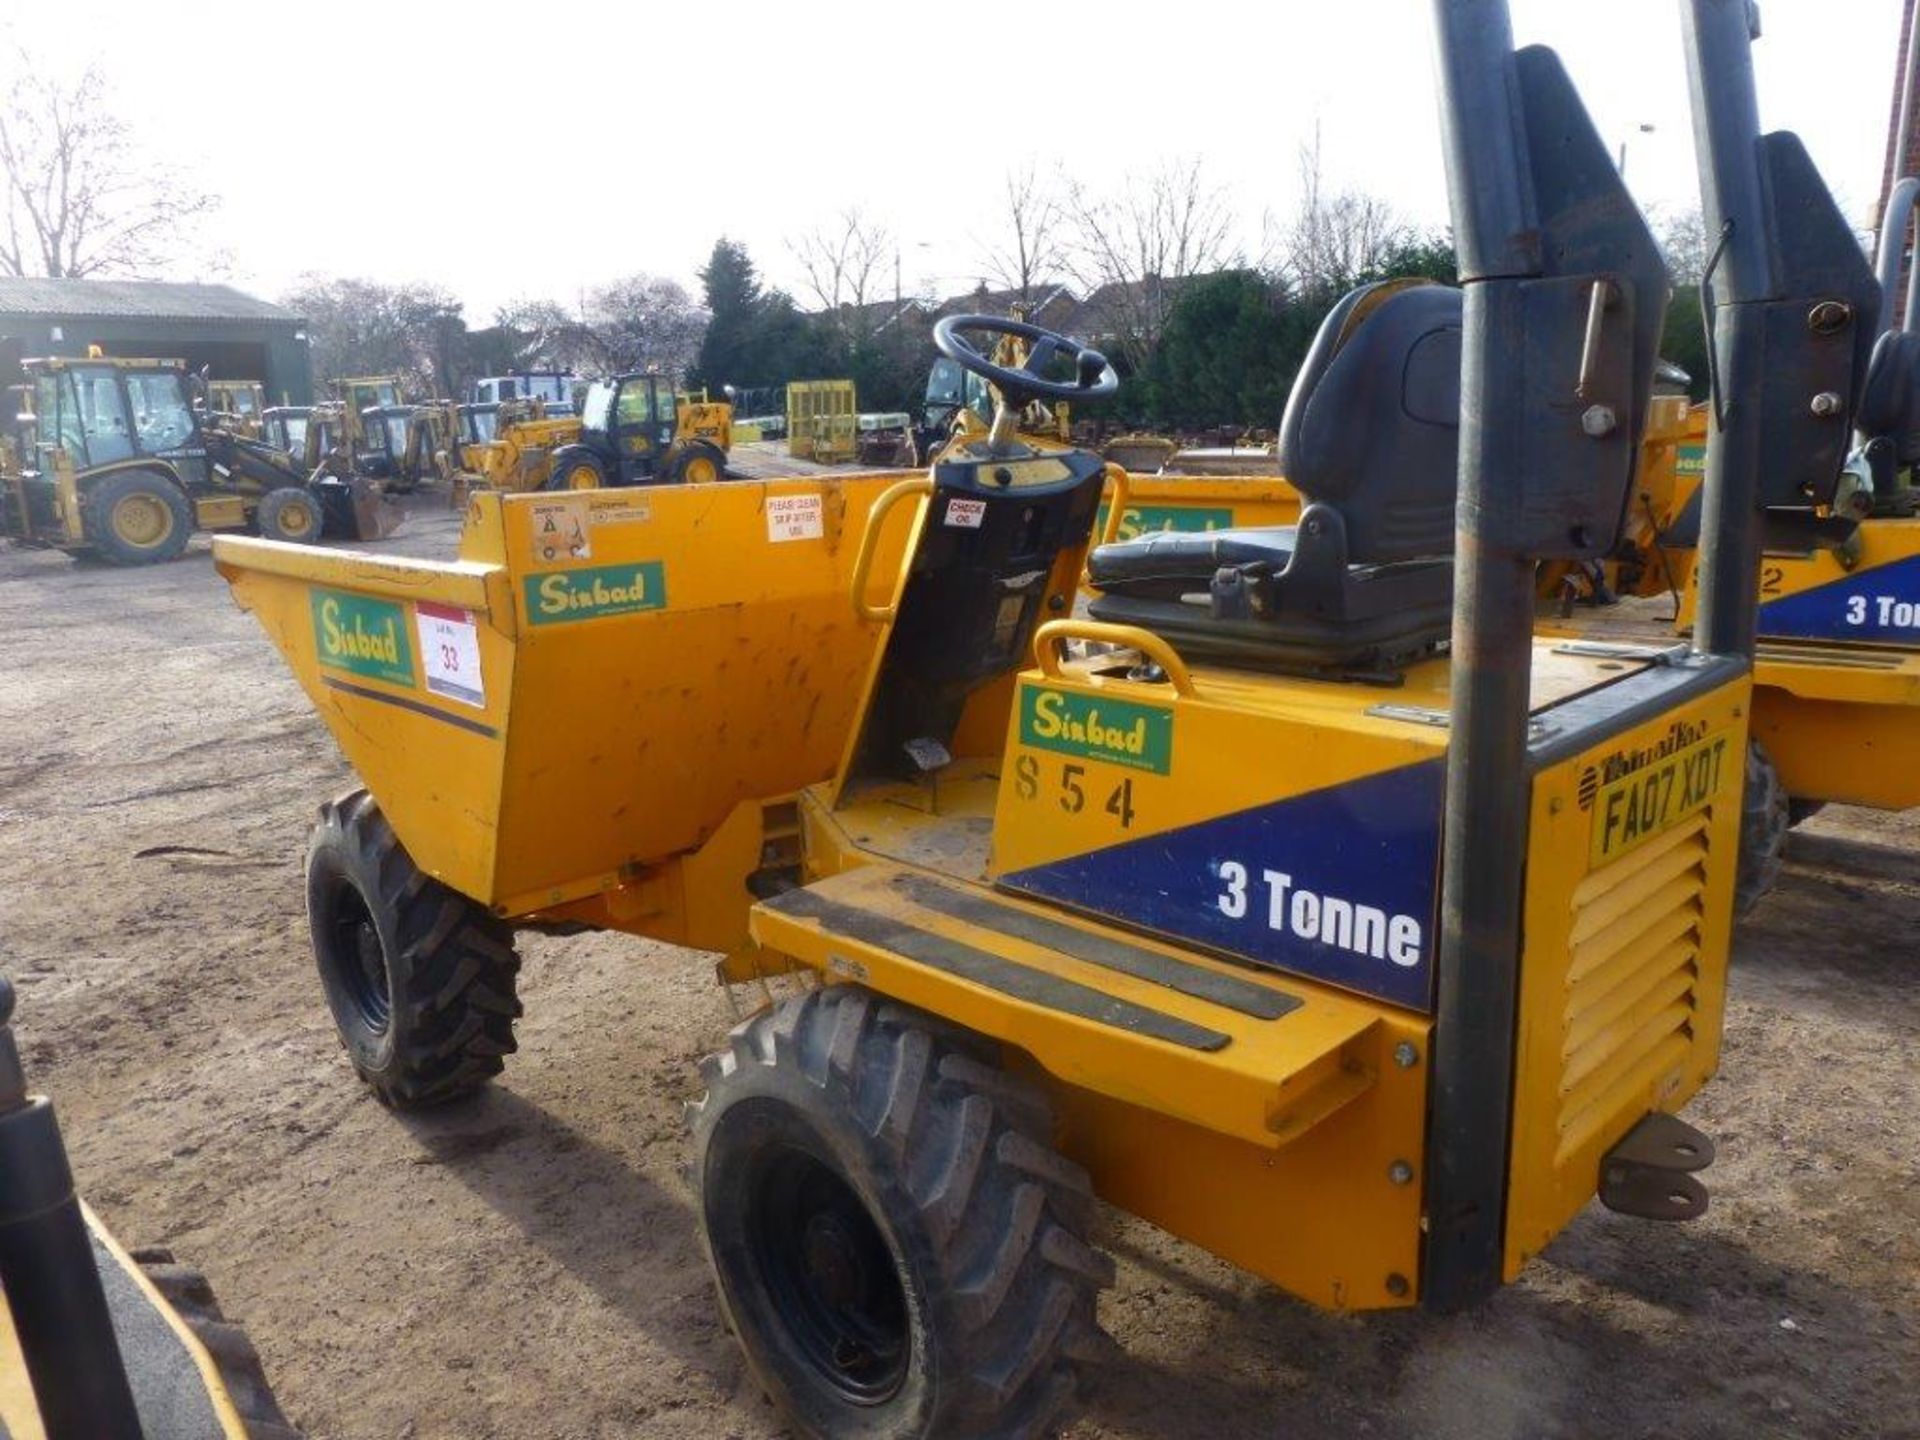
(1138, 520)
(1118, 731)
(363, 636)
(562, 595)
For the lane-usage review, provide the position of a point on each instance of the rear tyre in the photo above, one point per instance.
(897, 1245)
(1765, 818)
(576, 470)
(699, 464)
(291, 514)
(419, 978)
(241, 1374)
(138, 517)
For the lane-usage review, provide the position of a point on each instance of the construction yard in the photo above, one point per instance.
(526, 1263)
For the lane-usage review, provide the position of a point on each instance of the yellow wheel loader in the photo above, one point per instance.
(125, 471)
(96, 1342)
(1298, 900)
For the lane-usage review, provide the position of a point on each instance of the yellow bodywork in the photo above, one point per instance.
(1301, 1125)
(636, 708)
(627, 698)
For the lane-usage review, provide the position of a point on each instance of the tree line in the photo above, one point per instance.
(1204, 328)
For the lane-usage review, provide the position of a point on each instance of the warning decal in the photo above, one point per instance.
(793, 517)
(450, 652)
(560, 530)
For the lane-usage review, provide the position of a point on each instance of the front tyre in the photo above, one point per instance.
(419, 978)
(578, 469)
(897, 1246)
(289, 513)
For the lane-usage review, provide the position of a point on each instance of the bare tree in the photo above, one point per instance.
(1682, 234)
(630, 324)
(81, 198)
(365, 327)
(1336, 236)
(1132, 253)
(1029, 249)
(844, 264)
(643, 321)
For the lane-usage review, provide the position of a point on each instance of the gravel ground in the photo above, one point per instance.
(526, 1265)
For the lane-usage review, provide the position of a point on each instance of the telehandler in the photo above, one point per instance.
(1302, 902)
(98, 1343)
(127, 471)
(633, 429)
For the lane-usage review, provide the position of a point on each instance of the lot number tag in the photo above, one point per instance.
(450, 653)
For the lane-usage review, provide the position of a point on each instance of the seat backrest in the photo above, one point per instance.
(1890, 400)
(1372, 426)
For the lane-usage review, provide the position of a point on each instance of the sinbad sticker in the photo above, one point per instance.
(362, 636)
(1138, 520)
(563, 595)
(1117, 731)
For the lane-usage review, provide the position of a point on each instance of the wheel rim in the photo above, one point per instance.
(296, 518)
(583, 477)
(829, 1275)
(359, 962)
(142, 520)
(701, 470)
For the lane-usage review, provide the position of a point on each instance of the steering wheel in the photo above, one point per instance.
(1094, 377)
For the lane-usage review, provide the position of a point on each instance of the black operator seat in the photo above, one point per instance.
(1365, 580)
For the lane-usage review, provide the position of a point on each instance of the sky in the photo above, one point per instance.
(508, 152)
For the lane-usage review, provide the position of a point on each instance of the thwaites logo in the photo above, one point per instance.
(562, 595)
(1097, 728)
(362, 636)
(1623, 762)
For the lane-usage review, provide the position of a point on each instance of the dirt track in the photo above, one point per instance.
(526, 1265)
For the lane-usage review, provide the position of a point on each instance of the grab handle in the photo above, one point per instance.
(1121, 486)
(1047, 640)
(870, 540)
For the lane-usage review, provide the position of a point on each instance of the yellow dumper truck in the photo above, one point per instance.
(1297, 899)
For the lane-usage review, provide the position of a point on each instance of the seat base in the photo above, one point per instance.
(1376, 649)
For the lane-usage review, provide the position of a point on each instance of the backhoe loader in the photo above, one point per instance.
(96, 1342)
(125, 470)
(1298, 900)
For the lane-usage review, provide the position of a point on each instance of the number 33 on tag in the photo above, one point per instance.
(450, 653)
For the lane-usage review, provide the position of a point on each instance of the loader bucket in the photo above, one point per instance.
(590, 691)
(356, 509)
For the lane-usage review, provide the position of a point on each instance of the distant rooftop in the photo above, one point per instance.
(144, 299)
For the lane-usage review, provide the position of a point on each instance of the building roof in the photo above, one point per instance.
(144, 299)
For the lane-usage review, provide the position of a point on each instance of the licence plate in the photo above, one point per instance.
(1655, 798)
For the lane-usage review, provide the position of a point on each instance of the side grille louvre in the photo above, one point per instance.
(1631, 986)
